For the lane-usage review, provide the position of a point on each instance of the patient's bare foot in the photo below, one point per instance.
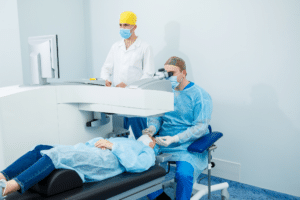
(2, 176)
(11, 186)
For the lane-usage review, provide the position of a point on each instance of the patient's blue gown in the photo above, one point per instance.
(94, 164)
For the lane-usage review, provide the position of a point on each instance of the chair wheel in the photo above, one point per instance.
(212, 164)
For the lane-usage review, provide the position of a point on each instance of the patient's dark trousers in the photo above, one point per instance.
(137, 125)
(29, 169)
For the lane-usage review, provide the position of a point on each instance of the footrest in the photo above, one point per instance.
(58, 181)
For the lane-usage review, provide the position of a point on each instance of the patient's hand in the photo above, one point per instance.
(152, 144)
(104, 144)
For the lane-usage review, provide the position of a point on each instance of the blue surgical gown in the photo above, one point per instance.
(94, 164)
(189, 120)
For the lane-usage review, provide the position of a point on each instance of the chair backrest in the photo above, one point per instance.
(209, 128)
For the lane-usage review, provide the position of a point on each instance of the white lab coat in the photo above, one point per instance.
(129, 65)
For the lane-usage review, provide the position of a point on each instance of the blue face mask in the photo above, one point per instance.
(125, 33)
(174, 82)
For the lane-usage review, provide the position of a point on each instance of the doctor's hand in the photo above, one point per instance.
(107, 83)
(122, 85)
(167, 140)
(149, 131)
(104, 144)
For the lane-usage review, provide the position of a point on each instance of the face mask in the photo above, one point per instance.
(174, 82)
(125, 33)
(145, 139)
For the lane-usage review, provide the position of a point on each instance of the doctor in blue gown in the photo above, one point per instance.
(96, 160)
(181, 127)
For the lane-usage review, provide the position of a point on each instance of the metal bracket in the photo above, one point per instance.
(163, 157)
(99, 122)
(119, 132)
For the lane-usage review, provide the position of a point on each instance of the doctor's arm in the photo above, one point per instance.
(136, 159)
(156, 122)
(202, 116)
(148, 63)
(107, 68)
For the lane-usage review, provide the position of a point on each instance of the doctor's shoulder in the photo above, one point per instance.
(199, 89)
(200, 93)
(117, 44)
(203, 95)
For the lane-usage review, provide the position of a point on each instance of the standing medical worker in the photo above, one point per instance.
(180, 128)
(129, 60)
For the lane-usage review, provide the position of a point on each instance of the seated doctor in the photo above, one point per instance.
(181, 127)
(96, 160)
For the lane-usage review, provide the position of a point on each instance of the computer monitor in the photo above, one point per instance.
(44, 62)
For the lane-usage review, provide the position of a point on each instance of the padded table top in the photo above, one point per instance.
(99, 190)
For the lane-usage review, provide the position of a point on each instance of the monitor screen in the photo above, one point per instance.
(44, 62)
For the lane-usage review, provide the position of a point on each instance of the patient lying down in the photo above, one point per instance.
(96, 160)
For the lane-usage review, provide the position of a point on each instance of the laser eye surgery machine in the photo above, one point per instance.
(50, 111)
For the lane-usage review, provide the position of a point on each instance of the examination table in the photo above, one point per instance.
(66, 184)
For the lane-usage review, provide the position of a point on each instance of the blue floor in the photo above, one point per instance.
(237, 191)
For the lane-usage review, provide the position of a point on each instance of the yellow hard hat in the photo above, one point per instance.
(128, 17)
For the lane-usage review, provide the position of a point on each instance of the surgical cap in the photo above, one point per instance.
(145, 139)
(128, 17)
(176, 61)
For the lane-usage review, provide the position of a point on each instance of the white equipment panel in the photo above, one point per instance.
(57, 114)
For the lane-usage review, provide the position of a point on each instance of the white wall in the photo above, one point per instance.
(10, 52)
(64, 18)
(103, 20)
(246, 55)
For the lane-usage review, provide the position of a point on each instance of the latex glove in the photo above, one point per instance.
(166, 140)
(149, 131)
(104, 144)
(107, 83)
(122, 85)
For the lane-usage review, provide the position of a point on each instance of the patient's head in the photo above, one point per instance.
(147, 140)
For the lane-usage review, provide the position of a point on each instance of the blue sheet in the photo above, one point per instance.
(94, 164)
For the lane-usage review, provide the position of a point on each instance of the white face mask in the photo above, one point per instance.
(145, 139)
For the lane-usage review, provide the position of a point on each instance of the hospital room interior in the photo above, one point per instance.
(242, 57)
